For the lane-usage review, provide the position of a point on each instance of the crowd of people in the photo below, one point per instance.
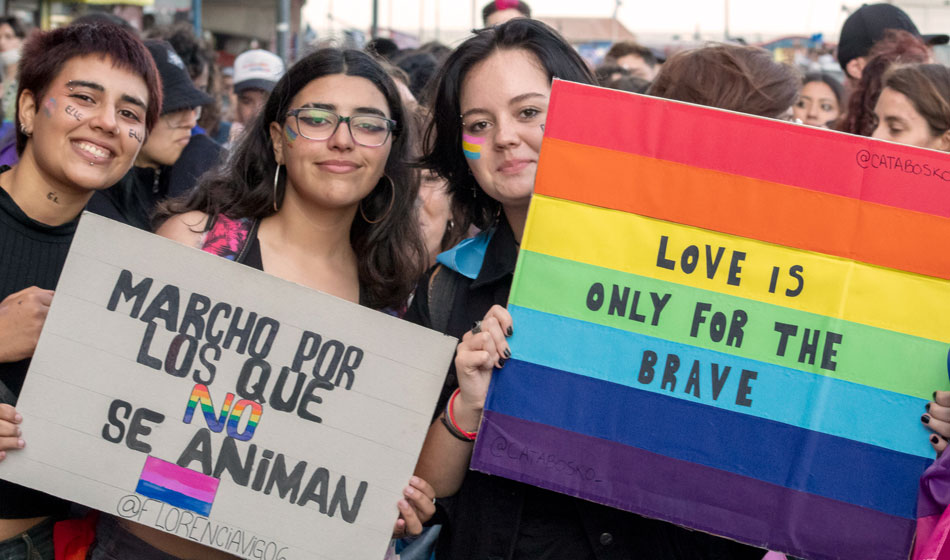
(397, 180)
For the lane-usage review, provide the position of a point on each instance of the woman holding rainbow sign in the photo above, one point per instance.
(492, 95)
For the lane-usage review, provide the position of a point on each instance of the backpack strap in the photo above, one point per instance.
(228, 238)
(442, 286)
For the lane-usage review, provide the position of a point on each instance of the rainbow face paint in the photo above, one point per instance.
(289, 134)
(49, 107)
(472, 146)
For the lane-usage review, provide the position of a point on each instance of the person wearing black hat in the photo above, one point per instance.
(866, 26)
(161, 170)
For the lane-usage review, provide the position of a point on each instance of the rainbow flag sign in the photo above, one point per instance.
(727, 322)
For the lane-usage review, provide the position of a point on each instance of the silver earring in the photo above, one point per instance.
(392, 200)
(24, 130)
(276, 180)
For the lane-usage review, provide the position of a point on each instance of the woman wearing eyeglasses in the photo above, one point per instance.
(318, 193)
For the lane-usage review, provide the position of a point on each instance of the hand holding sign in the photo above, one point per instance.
(9, 430)
(417, 508)
(22, 315)
(937, 420)
(483, 348)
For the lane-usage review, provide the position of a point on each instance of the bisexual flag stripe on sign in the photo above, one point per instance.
(177, 486)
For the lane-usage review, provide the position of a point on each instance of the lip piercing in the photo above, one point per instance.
(92, 163)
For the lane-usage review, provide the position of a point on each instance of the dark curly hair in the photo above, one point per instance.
(897, 47)
(391, 256)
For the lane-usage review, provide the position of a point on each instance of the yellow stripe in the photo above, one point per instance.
(881, 297)
(471, 147)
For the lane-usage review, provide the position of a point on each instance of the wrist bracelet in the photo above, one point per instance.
(450, 414)
(451, 429)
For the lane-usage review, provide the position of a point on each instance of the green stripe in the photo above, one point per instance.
(866, 355)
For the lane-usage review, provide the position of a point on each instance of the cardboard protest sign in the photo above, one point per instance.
(218, 403)
(727, 322)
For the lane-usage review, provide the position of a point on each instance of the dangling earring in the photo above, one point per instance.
(276, 180)
(388, 209)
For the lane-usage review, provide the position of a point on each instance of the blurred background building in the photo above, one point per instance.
(798, 31)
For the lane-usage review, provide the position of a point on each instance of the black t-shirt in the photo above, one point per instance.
(496, 518)
(31, 254)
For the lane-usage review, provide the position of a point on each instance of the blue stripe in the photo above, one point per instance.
(173, 498)
(849, 410)
(467, 257)
(788, 456)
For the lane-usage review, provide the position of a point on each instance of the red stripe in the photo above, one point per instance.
(766, 149)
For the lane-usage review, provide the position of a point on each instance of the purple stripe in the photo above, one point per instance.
(754, 512)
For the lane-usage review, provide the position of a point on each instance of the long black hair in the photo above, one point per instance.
(443, 138)
(390, 252)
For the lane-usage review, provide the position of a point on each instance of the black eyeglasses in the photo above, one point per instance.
(371, 131)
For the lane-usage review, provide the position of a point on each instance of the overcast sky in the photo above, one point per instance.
(769, 17)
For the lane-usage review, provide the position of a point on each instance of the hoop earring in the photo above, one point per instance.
(276, 180)
(392, 201)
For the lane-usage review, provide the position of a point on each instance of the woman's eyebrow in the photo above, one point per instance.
(84, 83)
(525, 96)
(332, 107)
(513, 101)
(134, 100)
(473, 111)
(369, 110)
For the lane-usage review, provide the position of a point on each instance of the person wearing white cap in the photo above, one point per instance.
(255, 74)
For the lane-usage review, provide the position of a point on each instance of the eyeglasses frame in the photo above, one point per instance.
(390, 125)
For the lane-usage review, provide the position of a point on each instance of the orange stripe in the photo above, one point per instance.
(753, 208)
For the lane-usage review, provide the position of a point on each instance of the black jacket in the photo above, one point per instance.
(493, 518)
(134, 198)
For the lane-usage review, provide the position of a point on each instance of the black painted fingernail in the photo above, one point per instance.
(925, 419)
(927, 407)
(508, 355)
(511, 331)
(501, 363)
(934, 439)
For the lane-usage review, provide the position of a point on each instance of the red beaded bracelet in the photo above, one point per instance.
(449, 408)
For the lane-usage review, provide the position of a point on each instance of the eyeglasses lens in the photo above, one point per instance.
(318, 124)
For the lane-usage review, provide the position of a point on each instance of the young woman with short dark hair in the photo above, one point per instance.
(85, 93)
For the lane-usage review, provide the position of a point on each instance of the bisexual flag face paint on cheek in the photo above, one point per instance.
(472, 146)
